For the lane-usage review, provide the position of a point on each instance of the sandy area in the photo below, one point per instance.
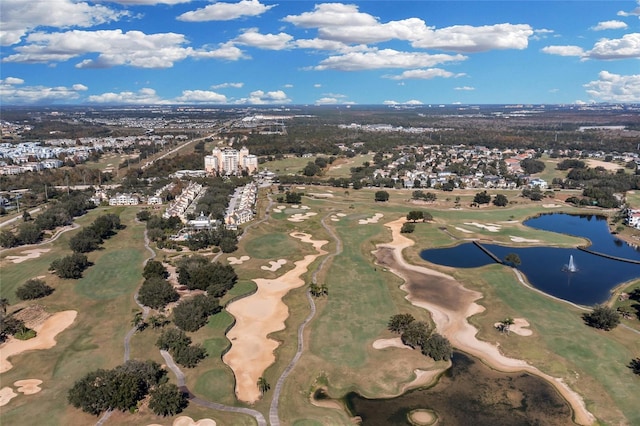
(491, 227)
(188, 421)
(522, 240)
(28, 386)
(47, 332)
(464, 230)
(550, 206)
(320, 195)
(450, 312)
(301, 217)
(376, 217)
(422, 417)
(395, 342)
(6, 395)
(274, 265)
(518, 327)
(237, 260)
(27, 254)
(259, 315)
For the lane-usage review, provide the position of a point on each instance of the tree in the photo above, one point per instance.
(4, 304)
(512, 259)
(532, 166)
(189, 356)
(33, 289)
(407, 228)
(155, 268)
(382, 196)
(168, 400)
(156, 292)
(437, 347)
(500, 200)
(602, 317)
(29, 233)
(172, 338)
(415, 334)
(399, 322)
(70, 266)
(85, 241)
(634, 365)
(263, 385)
(8, 239)
(415, 215)
(192, 314)
(482, 198)
(504, 325)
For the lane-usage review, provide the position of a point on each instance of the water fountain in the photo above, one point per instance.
(571, 267)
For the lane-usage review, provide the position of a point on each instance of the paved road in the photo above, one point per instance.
(19, 217)
(274, 419)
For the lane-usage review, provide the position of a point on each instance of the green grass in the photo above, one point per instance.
(271, 246)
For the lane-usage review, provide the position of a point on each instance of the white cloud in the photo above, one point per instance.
(20, 17)
(226, 85)
(317, 85)
(345, 24)
(614, 87)
(226, 11)
(252, 37)
(424, 74)
(327, 101)
(145, 96)
(465, 88)
(225, 51)
(387, 58)
(609, 25)
(634, 12)
(260, 97)
(564, 50)
(133, 48)
(201, 96)
(410, 102)
(626, 47)
(288, 86)
(12, 80)
(148, 2)
(12, 93)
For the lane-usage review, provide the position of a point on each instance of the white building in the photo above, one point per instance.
(229, 161)
(124, 200)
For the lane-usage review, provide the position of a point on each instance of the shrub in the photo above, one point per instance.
(602, 317)
(33, 289)
(168, 400)
(408, 228)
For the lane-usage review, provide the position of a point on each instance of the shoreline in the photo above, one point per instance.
(453, 323)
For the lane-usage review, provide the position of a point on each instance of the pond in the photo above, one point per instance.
(546, 267)
(471, 393)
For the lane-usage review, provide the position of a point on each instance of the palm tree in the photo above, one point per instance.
(505, 323)
(263, 385)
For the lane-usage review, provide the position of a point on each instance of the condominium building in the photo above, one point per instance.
(229, 161)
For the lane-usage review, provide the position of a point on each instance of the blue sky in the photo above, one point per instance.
(250, 52)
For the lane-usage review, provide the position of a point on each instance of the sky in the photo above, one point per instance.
(299, 52)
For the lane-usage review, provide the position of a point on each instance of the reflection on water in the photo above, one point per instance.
(544, 268)
(470, 393)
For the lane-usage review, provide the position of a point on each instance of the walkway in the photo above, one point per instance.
(274, 419)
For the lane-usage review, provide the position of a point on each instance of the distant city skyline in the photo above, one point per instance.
(296, 52)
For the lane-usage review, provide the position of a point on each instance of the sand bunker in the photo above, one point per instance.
(274, 265)
(376, 217)
(450, 304)
(27, 254)
(518, 327)
(522, 240)
(395, 342)
(259, 315)
(423, 417)
(188, 421)
(491, 227)
(464, 230)
(6, 395)
(336, 217)
(28, 386)
(237, 260)
(301, 217)
(47, 332)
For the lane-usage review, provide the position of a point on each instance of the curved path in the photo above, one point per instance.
(213, 405)
(274, 419)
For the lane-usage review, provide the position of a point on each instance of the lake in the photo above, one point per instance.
(544, 267)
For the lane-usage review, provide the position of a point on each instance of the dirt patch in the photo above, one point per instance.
(46, 338)
(259, 315)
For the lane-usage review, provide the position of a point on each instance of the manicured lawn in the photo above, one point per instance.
(271, 246)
